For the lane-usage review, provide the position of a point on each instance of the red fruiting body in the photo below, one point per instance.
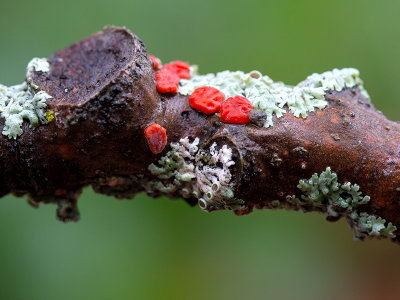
(170, 74)
(206, 99)
(156, 136)
(167, 82)
(236, 110)
(179, 68)
(156, 62)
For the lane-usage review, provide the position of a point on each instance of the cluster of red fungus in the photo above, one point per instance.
(209, 100)
(206, 99)
(168, 75)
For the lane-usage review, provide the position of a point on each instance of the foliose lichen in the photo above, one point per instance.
(324, 193)
(190, 172)
(38, 64)
(17, 103)
(274, 98)
(21, 102)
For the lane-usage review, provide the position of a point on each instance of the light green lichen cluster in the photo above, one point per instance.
(17, 103)
(274, 98)
(190, 172)
(20, 102)
(38, 64)
(323, 192)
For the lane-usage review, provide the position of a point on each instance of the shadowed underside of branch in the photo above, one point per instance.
(103, 95)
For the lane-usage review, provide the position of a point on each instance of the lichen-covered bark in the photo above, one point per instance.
(104, 96)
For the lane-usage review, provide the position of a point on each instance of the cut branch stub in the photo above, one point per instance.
(104, 96)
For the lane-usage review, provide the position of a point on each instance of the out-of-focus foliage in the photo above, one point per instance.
(160, 249)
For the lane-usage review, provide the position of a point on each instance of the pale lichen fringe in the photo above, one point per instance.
(38, 64)
(191, 172)
(21, 102)
(275, 97)
(324, 193)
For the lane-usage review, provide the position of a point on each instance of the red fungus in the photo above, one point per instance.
(179, 68)
(170, 74)
(167, 82)
(156, 62)
(236, 110)
(156, 136)
(206, 99)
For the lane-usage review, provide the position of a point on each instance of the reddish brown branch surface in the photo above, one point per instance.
(104, 96)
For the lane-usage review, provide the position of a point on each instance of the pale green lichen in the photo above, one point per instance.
(324, 193)
(21, 102)
(375, 226)
(38, 64)
(191, 172)
(274, 98)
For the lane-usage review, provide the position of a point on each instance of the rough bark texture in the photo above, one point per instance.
(104, 96)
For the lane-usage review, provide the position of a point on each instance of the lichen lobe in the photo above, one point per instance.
(38, 65)
(324, 193)
(21, 102)
(191, 172)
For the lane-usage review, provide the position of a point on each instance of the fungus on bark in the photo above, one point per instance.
(318, 146)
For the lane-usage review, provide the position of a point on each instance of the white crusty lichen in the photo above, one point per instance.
(191, 172)
(324, 193)
(274, 98)
(17, 103)
(38, 64)
(21, 102)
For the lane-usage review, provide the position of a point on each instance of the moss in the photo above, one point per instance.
(324, 193)
(276, 98)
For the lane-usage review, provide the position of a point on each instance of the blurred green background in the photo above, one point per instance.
(163, 249)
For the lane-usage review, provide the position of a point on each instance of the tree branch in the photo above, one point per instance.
(103, 95)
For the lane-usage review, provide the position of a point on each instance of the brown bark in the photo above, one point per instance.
(104, 96)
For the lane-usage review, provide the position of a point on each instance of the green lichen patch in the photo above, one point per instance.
(38, 64)
(21, 102)
(191, 172)
(324, 193)
(375, 226)
(276, 98)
